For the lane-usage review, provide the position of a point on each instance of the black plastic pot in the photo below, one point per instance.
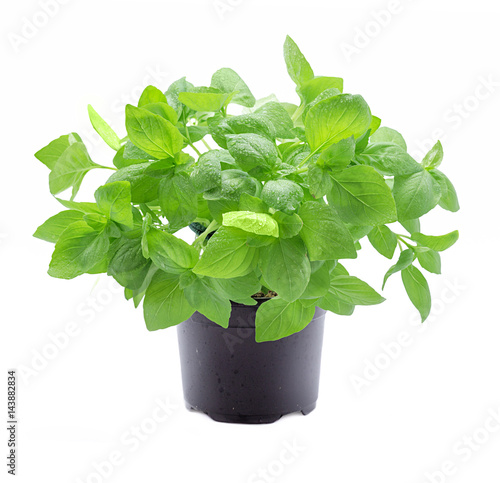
(232, 378)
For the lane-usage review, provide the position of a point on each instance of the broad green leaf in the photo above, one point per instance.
(100, 223)
(152, 133)
(104, 129)
(50, 154)
(417, 289)
(238, 289)
(277, 318)
(434, 157)
(405, 260)
(361, 196)
(283, 195)
(330, 301)
(338, 155)
(165, 304)
(411, 226)
(133, 153)
(319, 180)
(353, 291)
(297, 66)
(178, 200)
(449, 198)
(278, 116)
(383, 240)
(143, 188)
(389, 159)
(289, 225)
(227, 80)
(258, 223)
(70, 169)
(388, 135)
(252, 123)
(205, 99)
(218, 207)
(327, 94)
(336, 118)
(311, 89)
(437, 243)
(169, 253)
(204, 297)
(324, 234)
(78, 206)
(319, 283)
(206, 175)
(150, 95)
(251, 151)
(114, 201)
(163, 110)
(226, 255)
(415, 194)
(172, 94)
(234, 183)
(78, 250)
(430, 260)
(252, 203)
(285, 267)
(375, 124)
(121, 162)
(53, 228)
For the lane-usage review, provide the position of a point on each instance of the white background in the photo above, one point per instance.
(400, 420)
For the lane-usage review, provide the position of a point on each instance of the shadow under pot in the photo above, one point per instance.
(234, 379)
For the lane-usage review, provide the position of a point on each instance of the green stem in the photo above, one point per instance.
(308, 157)
(188, 136)
(206, 144)
(298, 112)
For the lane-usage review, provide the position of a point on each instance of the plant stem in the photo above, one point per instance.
(188, 136)
(298, 112)
(206, 144)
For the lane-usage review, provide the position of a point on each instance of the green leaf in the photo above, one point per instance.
(285, 267)
(78, 250)
(152, 133)
(338, 155)
(169, 253)
(114, 201)
(234, 183)
(258, 223)
(150, 95)
(165, 304)
(143, 188)
(331, 302)
(50, 154)
(70, 169)
(163, 110)
(283, 195)
(319, 180)
(133, 153)
(415, 194)
(383, 240)
(361, 196)
(252, 123)
(430, 260)
(437, 243)
(278, 116)
(434, 157)
(172, 94)
(297, 66)
(388, 135)
(353, 291)
(121, 162)
(205, 99)
(251, 150)
(389, 159)
(252, 203)
(227, 80)
(218, 207)
(226, 255)
(238, 289)
(104, 129)
(311, 89)
(449, 198)
(53, 228)
(178, 200)
(83, 207)
(206, 175)
(203, 296)
(417, 289)
(289, 225)
(411, 226)
(318, 283)
(405, 260)
(336, 118)
(324, 234)
(277, 318)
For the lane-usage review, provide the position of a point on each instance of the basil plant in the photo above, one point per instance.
(277, 194)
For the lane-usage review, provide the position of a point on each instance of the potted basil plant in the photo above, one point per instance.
(278, 195)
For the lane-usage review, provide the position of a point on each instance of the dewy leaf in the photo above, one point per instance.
(53, 228)
(417, 289)
(104, 129)
(437, 243)
(361, 196)
(204, 99)
(354, 291)
(144, 188)
(289, 225)
(319, 180)
(152, 133)
(336, 118)
(70, 169)
(434, 157)
(389, 159)
(388, 135)
(405, 260)
(311, 89)
(258, 223)
(150, 95)
(78, 250)
(277, 318)
(285, 267)
(252, 203)
(50, 154)
(449, 198)
(226, 255)
(114, 201)
(278, 116)
(227, 80)
(338, 155)
(324, 234)
(165, 304)
(283, 195)
(430, 260)
(251, 150)
(415, 194)
(234, 183)
(383, 240)
(252, 123)
(206, 175)
(298, 68)
(172, 94)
